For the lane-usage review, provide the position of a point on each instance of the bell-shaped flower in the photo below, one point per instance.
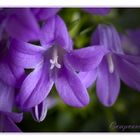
(115, 66)
(54, 63)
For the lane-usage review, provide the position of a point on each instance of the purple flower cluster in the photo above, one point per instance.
(36, 53)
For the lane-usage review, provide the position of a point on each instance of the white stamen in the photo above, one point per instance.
(54, 61)
(110, 63)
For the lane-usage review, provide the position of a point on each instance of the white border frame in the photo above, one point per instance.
(70, 3)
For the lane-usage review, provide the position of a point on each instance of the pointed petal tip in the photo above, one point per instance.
(80, 105)
(83, 103)
(108, 103)
(74, 93)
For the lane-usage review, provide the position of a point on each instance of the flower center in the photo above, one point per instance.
(54, 60)
(110, 63)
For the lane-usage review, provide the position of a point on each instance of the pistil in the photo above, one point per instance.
(54, 60)
(110, 63)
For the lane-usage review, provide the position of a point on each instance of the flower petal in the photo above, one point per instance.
(129, 70)
(55, 32)
(130, 58)
(35, 87)
(88, 78)
(18, 73)
(6, 97)
(48, 33)
(61, 34)
(10, 126)
(16, 117)
(25, 54)
(23, 25)
(86, 59)
(70, 88)
(6, 74)
(107, 84)
(108, 37)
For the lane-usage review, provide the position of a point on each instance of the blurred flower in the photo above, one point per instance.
(51, 66)
(98, 11)
(19, 23)
(114, 66)
(44, 13)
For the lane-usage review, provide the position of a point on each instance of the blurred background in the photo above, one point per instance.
(94, 117)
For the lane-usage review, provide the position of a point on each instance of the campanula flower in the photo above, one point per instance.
(115, 66)
(55, 63)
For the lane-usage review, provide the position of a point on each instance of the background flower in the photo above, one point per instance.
(114, 66)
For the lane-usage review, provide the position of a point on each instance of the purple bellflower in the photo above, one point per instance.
(51, 63)
(114, 66)
(7, 117)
